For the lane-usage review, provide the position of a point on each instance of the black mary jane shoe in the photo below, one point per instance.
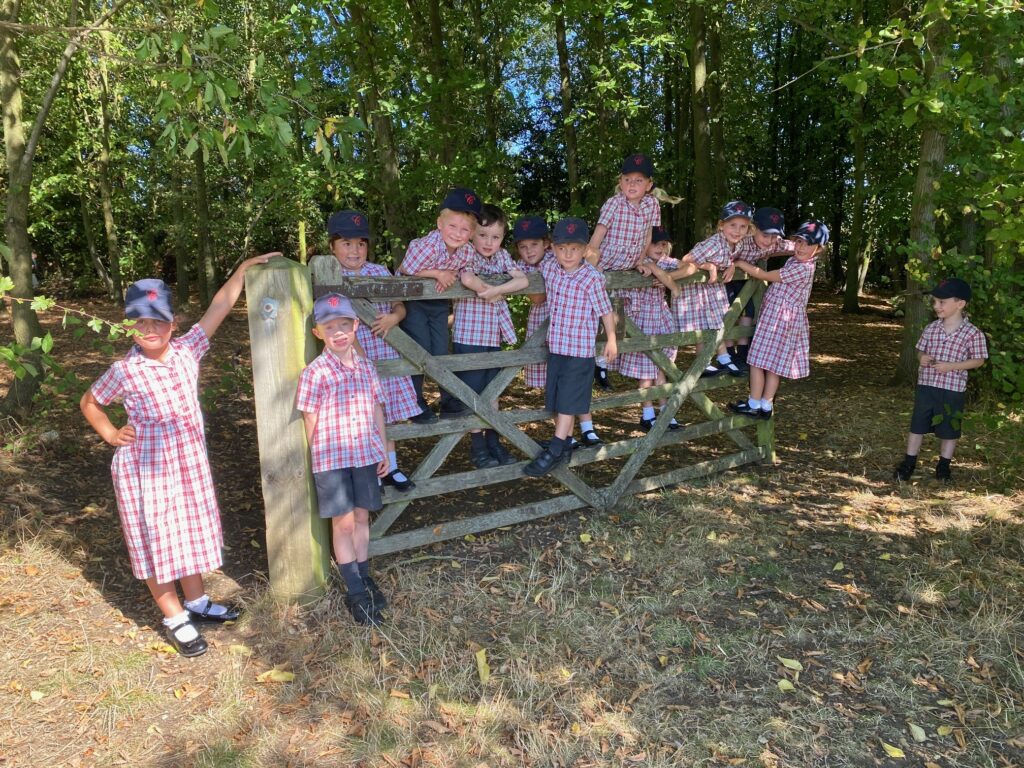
(590, 439)
(646, 425)
(231, 614)
(545, 462)
(399, 485)
(195, 647)
(482, 459)
(426, 416)
(500, 454)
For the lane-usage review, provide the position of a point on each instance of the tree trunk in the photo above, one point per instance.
(922, 211)
(703, 181)
(382, 136)
(442, 112)
(179, 234)
(90, 243)
(568, 116)
(856, 253)
(720, 163)
(205, 266)
(103, 177)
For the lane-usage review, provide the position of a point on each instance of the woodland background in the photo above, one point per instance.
(173, 138)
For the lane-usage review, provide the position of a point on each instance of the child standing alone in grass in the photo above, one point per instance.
(948, 348)
(165, 495)
(341, 401)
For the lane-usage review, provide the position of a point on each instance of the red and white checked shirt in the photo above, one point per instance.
(714, 250)
(485, 323)
(576, 302)
(165, 494)
(967, 342)
(749, 252)
(628, 227)
(535, 374)
(430, 252)
(343, 399)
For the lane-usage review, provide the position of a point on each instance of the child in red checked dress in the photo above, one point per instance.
(341, 401)
(349, 238)
(533, 245)
(781, 345)
(165, 494)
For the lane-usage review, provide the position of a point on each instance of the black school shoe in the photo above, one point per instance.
(455, 413)
(545, 462)
(426, 416)
(646, 424)
(379, 601)
(601, 378)
(501, 455)
(399, 485)
(903, 471)
(363, 611)
(482, 458)
(942, 471)
(742, 407)
(590, 439)
(196, 647)
(231, 614)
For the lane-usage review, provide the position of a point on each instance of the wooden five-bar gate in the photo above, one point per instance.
(280, 298)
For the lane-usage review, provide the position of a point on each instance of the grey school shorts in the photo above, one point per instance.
(479, 379)
(339, 491)
(569, 384)
(938, 410)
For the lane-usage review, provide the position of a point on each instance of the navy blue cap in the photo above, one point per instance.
(660, 235)
(531, 228)
(771, 221)
(638, 162)
(735, 208)
(349, 224)
(462, 199)
(330, 306)
(813, 233)
(148, 299)
(952, 288)
(571, 230)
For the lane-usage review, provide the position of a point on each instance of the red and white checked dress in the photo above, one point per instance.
(782, 341)
(652, 314)
(967, 342)
(535, 375)
(162, 481)
(485, 323)
(577, 300)
(343, 398)
(399, 395)
(701, 306)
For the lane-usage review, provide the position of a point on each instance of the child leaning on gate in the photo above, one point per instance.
(533, 245)
(348, 234)
(482, 323)
(702, 306)
(948, 348)
(341, 401)
(165, 495)
(577, 299)
(781, 345)
(440, 256)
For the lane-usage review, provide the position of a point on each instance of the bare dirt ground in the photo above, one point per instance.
(811, 613)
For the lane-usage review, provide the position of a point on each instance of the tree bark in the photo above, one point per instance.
(90, 243)
(204, 253)
(103, 177)
(441, 98)
(703, 182)
(720, 163)
(856, 256)
(568, 116)
(179, 234)
(922, 211)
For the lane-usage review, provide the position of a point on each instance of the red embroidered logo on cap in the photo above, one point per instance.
(470, 199)
(570, 228)
(524, 225)
(638, 160)
(151, 295)
(333, 301)
(775, 218)
(811, 227)
(357, 220)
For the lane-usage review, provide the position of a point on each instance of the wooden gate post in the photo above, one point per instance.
(280, 299)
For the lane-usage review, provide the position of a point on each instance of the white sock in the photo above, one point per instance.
(600, 362)
(753, 403)
(399, 476)
(724, 359)
(586, 426)
(766, 405)
(648, 412)
(182, 629)
(204, 603)
(393, 459)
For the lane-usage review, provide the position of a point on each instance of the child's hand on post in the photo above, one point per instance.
(489, 294)
(445, 280)
(729, 273)
(383, 323)
(712, 271)
(263, 258)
